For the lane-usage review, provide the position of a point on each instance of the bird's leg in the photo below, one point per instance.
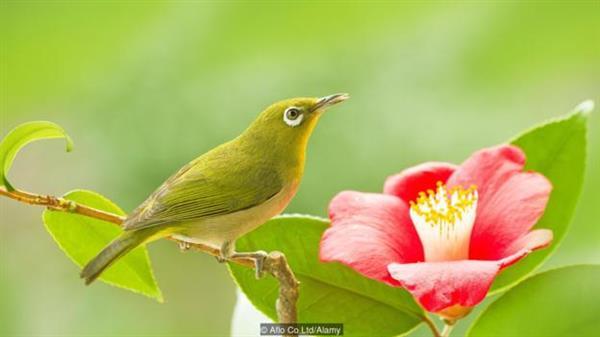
(259, 258)
(227, 252)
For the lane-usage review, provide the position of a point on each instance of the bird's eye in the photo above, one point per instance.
(292, 113)
(292, 116)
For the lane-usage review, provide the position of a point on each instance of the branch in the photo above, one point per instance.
(61, 204)
(275, 264)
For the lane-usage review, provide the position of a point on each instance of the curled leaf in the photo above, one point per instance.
(22, 135)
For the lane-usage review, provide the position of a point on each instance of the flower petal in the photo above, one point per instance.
(408, 183)
(510, 201)
(533, 240)
(368, 231)
(488, 169)
(508, 215)
(439, 285)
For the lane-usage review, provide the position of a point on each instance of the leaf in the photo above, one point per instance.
(557, 150)
(560, 302)
(22, 135)
(81, 238)
(329, 292)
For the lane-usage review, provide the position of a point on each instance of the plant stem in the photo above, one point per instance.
(447, 330)
(275, 264)
(431, 325)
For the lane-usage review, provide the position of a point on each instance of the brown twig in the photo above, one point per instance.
(275, 264)
(61, 204)
(288, 287)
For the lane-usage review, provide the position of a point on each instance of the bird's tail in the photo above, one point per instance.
(119, 247)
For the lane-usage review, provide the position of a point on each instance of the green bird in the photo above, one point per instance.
(228, 191)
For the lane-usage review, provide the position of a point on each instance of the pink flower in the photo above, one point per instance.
(442, 231)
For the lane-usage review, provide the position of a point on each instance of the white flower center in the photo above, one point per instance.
(444, 220)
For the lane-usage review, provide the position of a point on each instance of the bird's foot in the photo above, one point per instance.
(184, 245)
(225, 252)
(259, 258)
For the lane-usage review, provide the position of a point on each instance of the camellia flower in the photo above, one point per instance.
(442, 231)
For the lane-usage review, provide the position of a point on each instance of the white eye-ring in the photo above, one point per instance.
(292, 116)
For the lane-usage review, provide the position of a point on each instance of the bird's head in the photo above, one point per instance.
(287, 124)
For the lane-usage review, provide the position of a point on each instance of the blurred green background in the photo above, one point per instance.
(145, 86)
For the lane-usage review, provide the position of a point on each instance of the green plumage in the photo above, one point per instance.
(229, 190)
(224, 180)
(119, 247)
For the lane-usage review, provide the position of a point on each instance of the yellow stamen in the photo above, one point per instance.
(444, 206)
(444, 219)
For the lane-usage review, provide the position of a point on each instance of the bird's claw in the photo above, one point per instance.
(184, 245)
(259, 258)
(259, 263)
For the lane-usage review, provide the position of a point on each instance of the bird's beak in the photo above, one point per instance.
(330, 100)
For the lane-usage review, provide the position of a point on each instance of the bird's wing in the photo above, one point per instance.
(206, 190)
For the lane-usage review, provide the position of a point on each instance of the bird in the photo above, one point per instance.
(228, 191)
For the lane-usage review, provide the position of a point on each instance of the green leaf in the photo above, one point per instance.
(81, 238)
(23, 135)
(560, 302)
(557, 150)
(329, 292)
